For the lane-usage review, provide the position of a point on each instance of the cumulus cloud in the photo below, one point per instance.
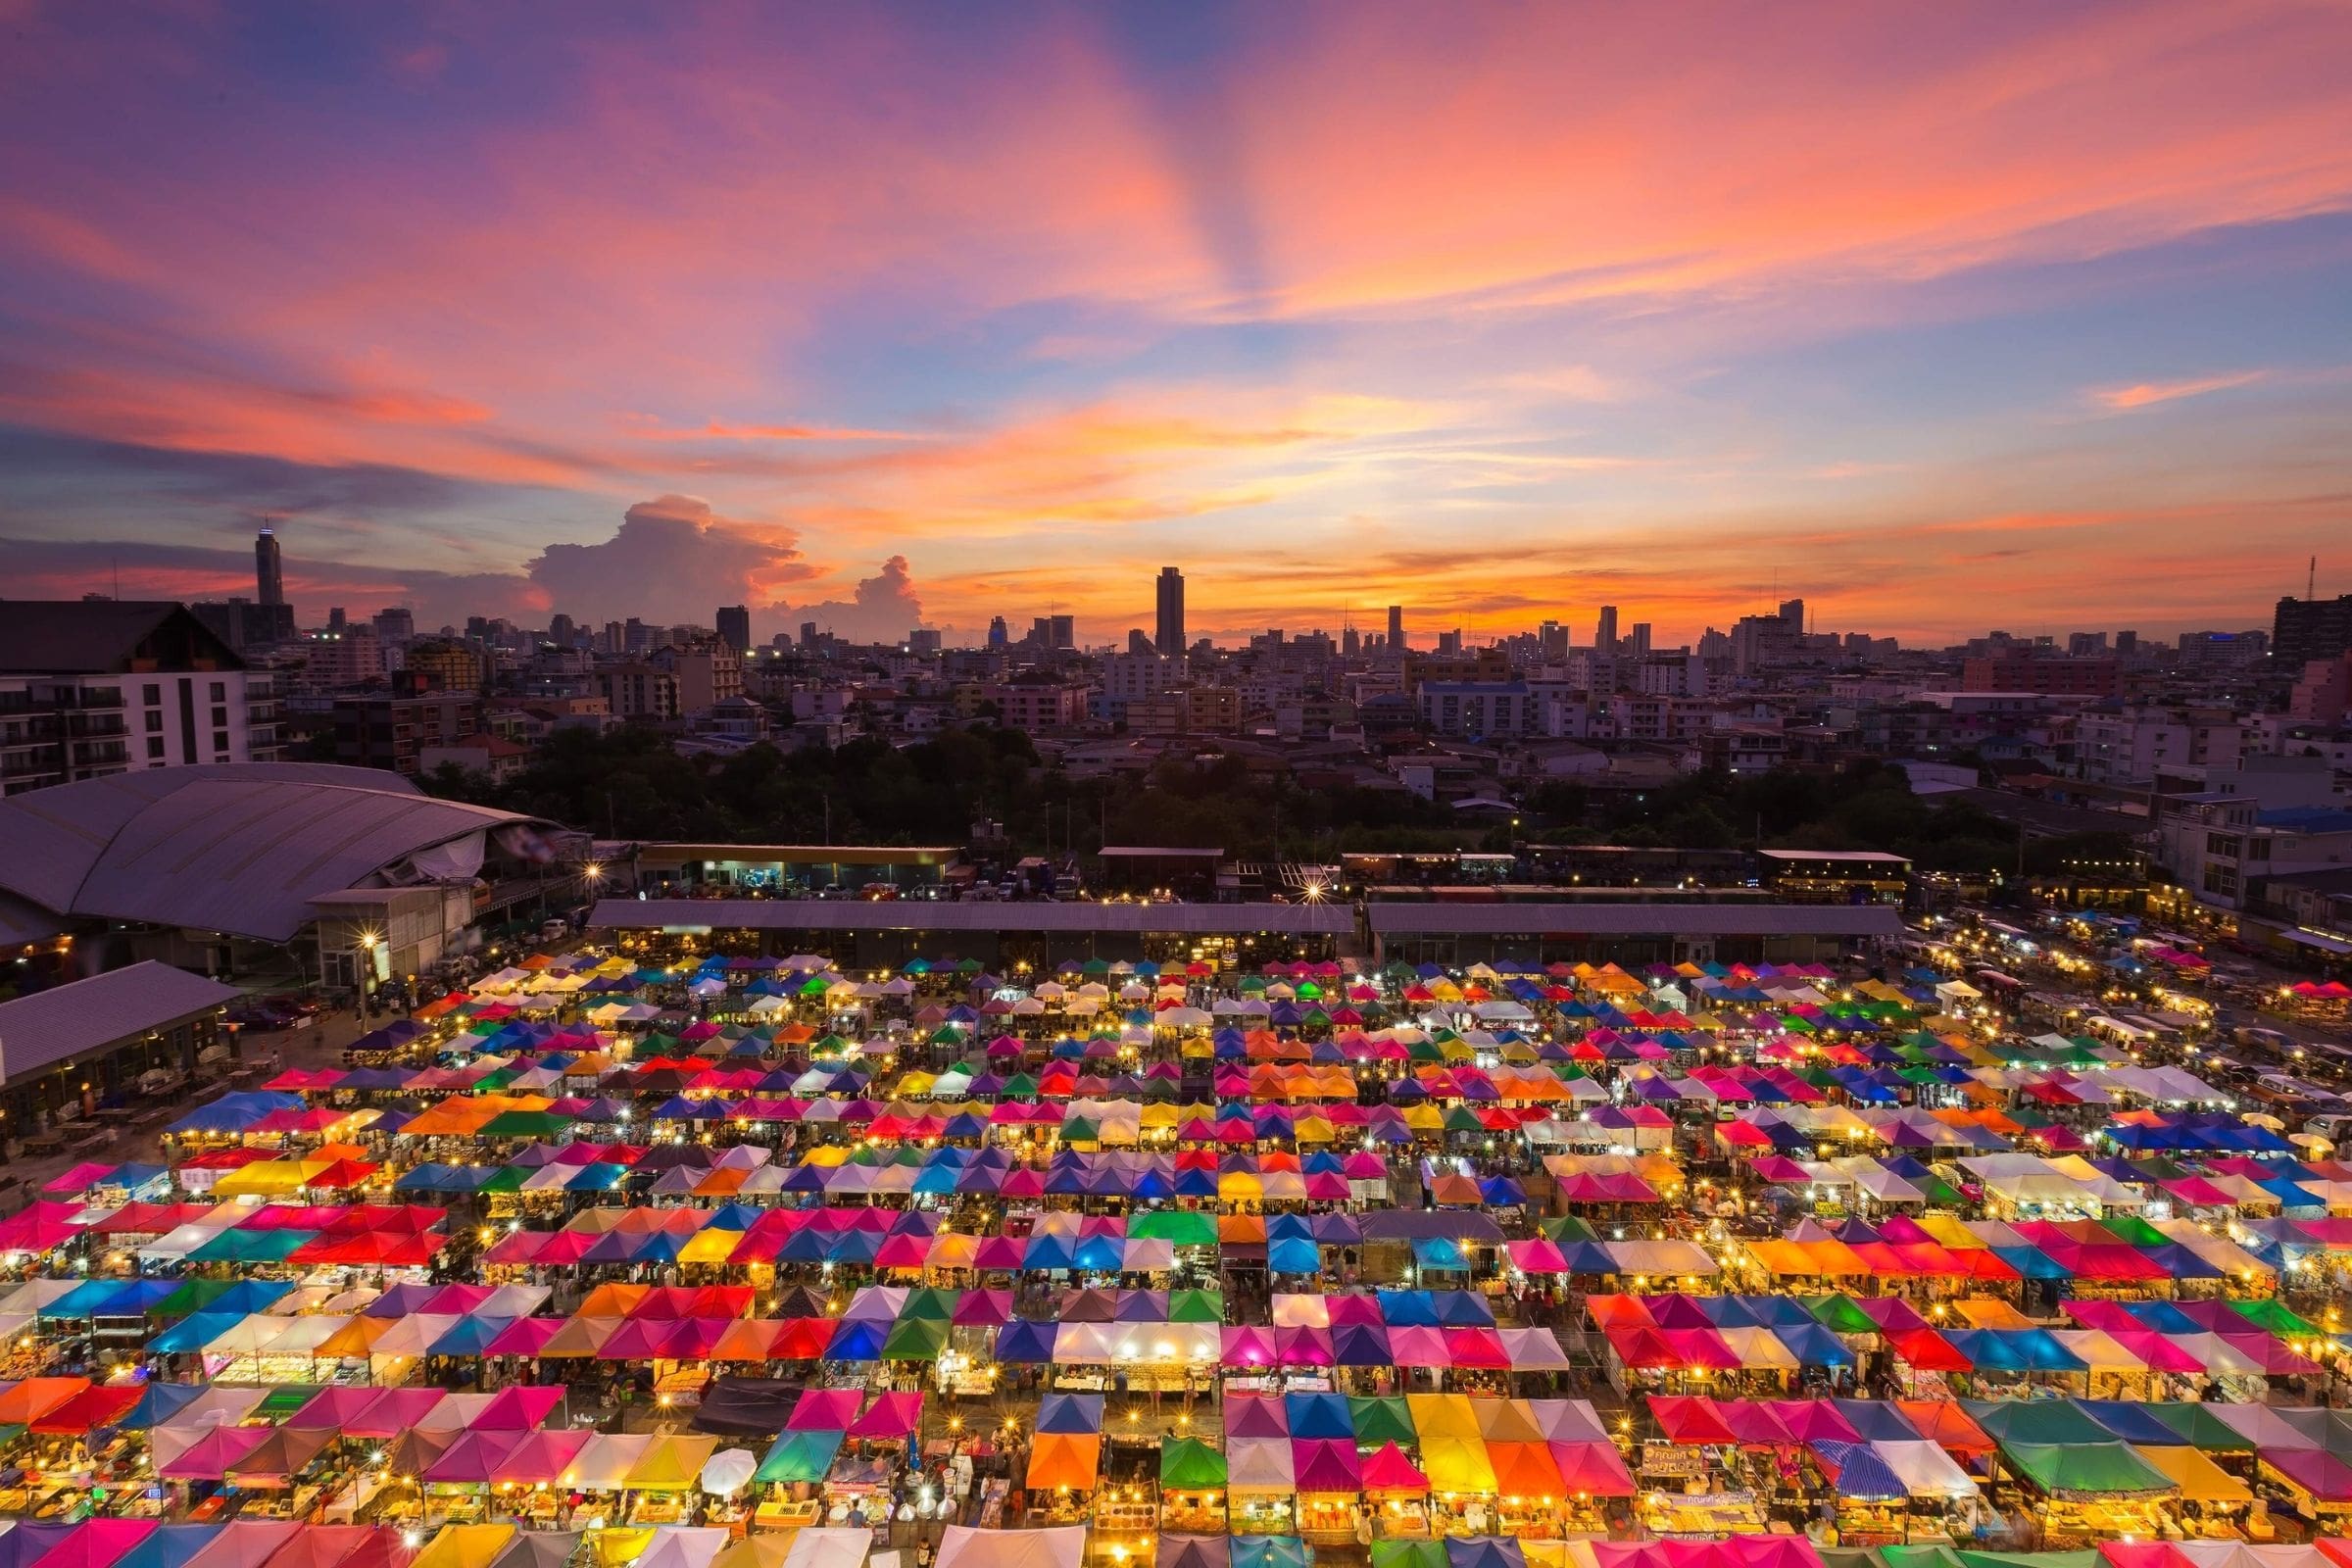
(882, 609)
(673, 560)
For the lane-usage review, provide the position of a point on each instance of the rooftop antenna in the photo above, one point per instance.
(2310, 579)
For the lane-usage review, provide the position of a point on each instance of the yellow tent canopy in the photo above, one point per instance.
(671, 1464)
(614, 1547)
(464, 1547)
(755, 1551)
(2199, 1478)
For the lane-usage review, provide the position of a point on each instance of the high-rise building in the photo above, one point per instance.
(1552, 641)
(1604, 633)
(1063, 631)
(1395, 626)
(2308, 629)
(923, 642)
(1000, 635)
(269, 570)
(562, 630)
(735, 627)
(336, 621)
(1792, 612)
(1639, 640)
(395, 625)
(1171, 612)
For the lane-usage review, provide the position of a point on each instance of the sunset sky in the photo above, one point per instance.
(1946, 317)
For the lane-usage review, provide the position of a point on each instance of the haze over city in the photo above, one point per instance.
(903, 316)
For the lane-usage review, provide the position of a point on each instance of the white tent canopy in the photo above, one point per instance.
(964, 1547)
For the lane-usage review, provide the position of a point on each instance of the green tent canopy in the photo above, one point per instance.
(525, 1124)
(799, 1456)
(1840, 1314)
(915, 1339)
(1187, 1464)
(2201, 1428)
(929, 1303)
(1183, 1227)
(1196, 1306)
(2108, 1469)
(2276, 1316)
(1381, 1418)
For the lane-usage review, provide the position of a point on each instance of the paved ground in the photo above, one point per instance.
(319, 1045)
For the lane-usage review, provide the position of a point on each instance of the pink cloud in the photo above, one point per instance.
(2141, 394)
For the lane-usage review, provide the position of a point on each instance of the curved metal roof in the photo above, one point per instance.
(237, 848)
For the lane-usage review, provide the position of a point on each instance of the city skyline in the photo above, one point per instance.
(1930, 314)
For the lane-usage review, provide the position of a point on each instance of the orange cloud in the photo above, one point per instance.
(2143, 393)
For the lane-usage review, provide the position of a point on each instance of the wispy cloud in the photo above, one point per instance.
(2142, 394)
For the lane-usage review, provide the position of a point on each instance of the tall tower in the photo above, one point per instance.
(268, 570)
(735, 626)
(1604, 635)
(1396, 625)
(1171, 612)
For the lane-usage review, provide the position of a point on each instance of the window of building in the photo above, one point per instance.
(219, 716)
(155, 723)
(155, 747)
(219, 690)
(153, 695)
(221, 743)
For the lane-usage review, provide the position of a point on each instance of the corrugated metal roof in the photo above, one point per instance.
(922, 915)
(1637, 920)
(240, 849)
(89, 1015)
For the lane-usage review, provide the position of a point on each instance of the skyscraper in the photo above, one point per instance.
(735, 626)
(269, 570)
(1605, 634)
(1639, 640)
(1063, 631)
(2308, 629)
(1396, 625)
(999, 636)
(1171, 611)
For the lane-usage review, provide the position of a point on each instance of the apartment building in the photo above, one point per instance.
(94, 687)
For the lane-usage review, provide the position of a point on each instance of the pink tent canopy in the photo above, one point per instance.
(1323, 1464)
(891, 1416)
(825, 1411)
(1389, 1470)
(518, 1408)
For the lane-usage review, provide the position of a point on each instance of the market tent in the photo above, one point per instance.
(799, 1456)
(166, 1547)
(1196, 1552)
(2080, 1469)
(244, 1543)
(1064, 1459)
(1187, 1464)
(464, 1547)
(964, 1547)
(818, 1547)
(539, 1548)
(2199, 1478)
